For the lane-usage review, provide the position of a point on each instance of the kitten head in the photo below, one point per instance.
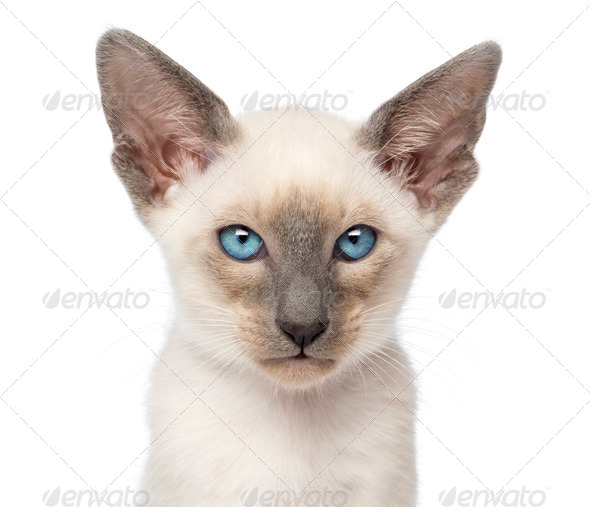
(284, 230)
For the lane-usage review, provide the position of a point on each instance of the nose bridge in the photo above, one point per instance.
(301, 298)
(302, 277)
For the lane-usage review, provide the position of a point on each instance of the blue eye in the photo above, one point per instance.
(241, 243)
(355, 243)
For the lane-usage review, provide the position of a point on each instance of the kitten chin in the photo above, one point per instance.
(297, 372)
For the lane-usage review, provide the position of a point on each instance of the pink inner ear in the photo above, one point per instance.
(164, 159)
(435, 163)
(161, 181)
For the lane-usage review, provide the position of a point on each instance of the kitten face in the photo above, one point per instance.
(259, 216)
(299, 207)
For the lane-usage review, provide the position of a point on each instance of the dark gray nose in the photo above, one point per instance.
(303, 334)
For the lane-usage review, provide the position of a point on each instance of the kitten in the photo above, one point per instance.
(291, 238)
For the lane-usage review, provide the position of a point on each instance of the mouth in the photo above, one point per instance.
(302, 360)
(299, 358)
(299, 370)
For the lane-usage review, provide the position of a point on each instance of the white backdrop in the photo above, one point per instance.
(505, 388)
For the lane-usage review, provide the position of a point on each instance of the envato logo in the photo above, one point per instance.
(510, 300)
(89, 497)
(324, 101)
(113, 300)
(521, 101)
(476, 498)
(312, 498)
(91, 101)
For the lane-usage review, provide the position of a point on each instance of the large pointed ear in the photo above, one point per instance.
(425, 135)
(165, 122)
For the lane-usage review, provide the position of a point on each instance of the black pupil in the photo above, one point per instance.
(353, 236)
(242, 236)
